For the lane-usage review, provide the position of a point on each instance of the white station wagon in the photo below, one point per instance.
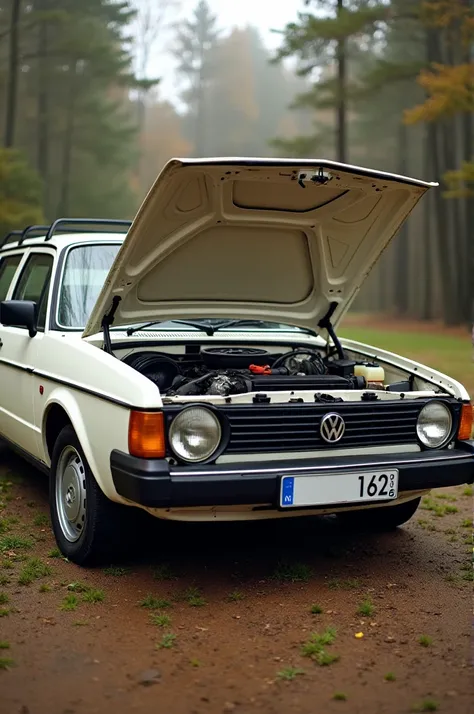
(188, 364)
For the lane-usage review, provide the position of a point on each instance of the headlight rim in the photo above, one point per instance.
(224, 438)
(450, 434)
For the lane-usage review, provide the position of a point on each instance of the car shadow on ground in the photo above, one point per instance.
(242, 551)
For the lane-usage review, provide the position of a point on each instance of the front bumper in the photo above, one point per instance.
(156, 484)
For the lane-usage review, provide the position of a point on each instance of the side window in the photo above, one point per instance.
(34, 283)
(8, 268)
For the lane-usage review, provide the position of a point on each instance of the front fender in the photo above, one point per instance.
(107, 425)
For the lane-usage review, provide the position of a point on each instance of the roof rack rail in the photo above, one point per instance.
(89, 225)
(8, 236)
(35, 231)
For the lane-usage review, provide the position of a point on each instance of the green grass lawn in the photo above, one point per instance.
(449, 354)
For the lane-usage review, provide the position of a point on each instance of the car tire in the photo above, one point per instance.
(379, 519)
(89, 528)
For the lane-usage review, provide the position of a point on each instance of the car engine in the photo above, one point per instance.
(224, 371)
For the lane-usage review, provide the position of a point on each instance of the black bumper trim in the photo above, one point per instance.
(155, 484)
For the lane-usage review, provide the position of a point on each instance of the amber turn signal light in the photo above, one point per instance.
(146, 435)
(465, 422)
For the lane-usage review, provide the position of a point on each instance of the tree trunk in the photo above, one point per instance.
(402, 264)
(43, 110)
(68, 142)
(12, 78)
(341, 140)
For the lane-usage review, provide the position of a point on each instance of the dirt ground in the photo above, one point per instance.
(210, 619)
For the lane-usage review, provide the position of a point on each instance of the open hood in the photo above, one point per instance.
(265, 239)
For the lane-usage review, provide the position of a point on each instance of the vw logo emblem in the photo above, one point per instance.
(332, 428)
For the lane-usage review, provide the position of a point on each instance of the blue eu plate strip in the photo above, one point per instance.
(287, 491)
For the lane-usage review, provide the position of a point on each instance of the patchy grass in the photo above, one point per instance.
(235, 596)
(41, 519)
(4, 599)
(163, 572)
(33, 570)
(339, 697)
(390, 677)
(4, 611)
(4, 580)
(7, 564)
(366, 608)
(14, 542)
(117, 571)
(427, 705)
(290, 673)
(4, 645)
(155, 603)
(55, 553)
(287, 572)
(468, 491)
(425, 640)
(44, 588)
(467, 523)
(193, 597)
(160, 619)
(315, 647)
(316, 610)
(6, 662)
(194, 662)
(167, 641)
(92, 595)
(70, 602)
(346, 584)
(446, 497)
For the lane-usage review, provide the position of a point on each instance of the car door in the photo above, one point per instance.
(18, 352)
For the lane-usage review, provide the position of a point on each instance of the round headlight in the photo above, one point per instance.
(434, 424)
(195, 433)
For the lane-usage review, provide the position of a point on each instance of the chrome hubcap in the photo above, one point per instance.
(71, 493)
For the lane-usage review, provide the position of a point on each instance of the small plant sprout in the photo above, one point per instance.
(425, 640)
(195, 662)
(160, 620)
(366, 608)
(34, 569)
(286, 572)
(468, 491)
(390, 677)
(347, 584)
(54, 553)
(193, 597)
(316, 609)
(92, 595)
(315, 647)
(427, 705)
(4, 599)
(339, 697)
(41, 520)
(167, 641)
(235, 596)
(154, 603)
(6, 662)
(289, 673)
(70, 602)
(116, 571)
(4, 645)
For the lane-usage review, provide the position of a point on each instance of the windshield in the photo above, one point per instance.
(84, 275)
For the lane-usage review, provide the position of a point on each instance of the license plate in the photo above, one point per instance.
(328, 489)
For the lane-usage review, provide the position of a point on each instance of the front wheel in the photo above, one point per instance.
(86, 524)
(384, 518)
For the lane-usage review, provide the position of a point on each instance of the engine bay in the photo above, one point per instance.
(229, 370)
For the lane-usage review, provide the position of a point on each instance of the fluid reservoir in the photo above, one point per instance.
(373, 373)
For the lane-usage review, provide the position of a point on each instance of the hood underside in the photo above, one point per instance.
(272, 239)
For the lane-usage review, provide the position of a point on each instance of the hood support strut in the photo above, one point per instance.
(107, 321)
(325, 323)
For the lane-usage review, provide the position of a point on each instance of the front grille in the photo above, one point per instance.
(276, 428)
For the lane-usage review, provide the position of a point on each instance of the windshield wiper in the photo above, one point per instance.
(257, 323)
(190, 323)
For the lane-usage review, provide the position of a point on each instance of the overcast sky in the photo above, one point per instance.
(263, 14)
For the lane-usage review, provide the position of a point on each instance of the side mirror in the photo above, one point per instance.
(19, 313)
